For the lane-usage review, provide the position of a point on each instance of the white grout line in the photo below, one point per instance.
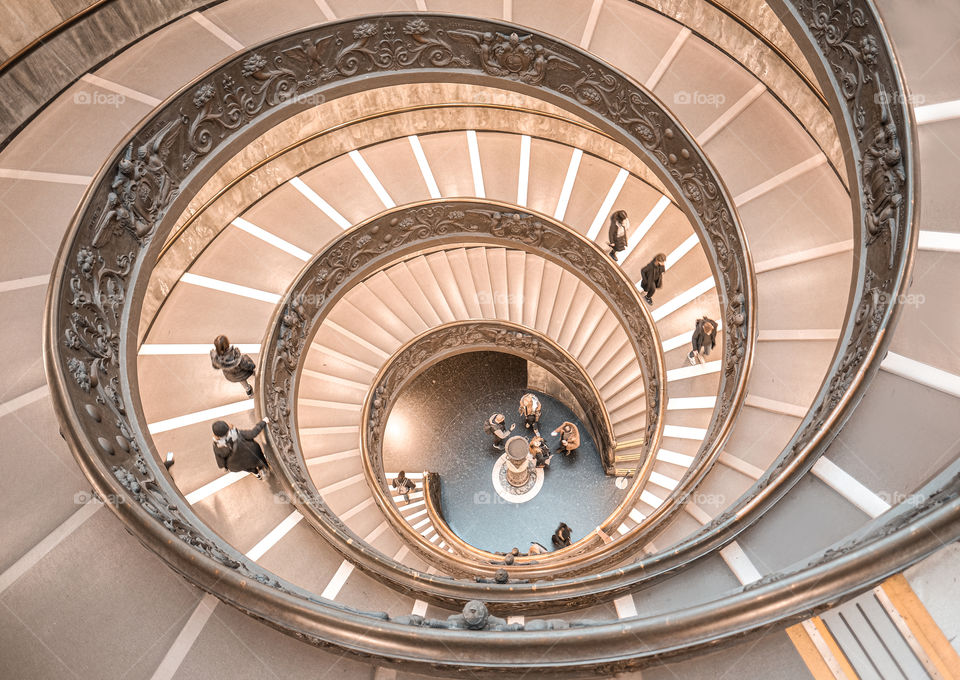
(339, 356)
(357, 509)
(523, 175)
(330, 429)
(331, 457)
(824, 650)
(122, 90)
(26, 399)
(697, 513)
(687, 403)
(516, 619)
(508, 10)
(693, 371)
(419, 608)
(342, 484)
(272, 538)
(200, 416)
(475, 167)
(674, 458)
(651, 499)
(591, 26)
(335, 405)
(740, 564)
(403, 552)
(663, 481)
(799, 334)
(335, 379)
(774, 406)
(325, 8)
(315, 198)
(232, 288)
(680, 251)
(217, 32)
(645, 224)
(36, 176)
(213, 487)
(338, 581)
(844, 484)
(33, 556)
(424, 165)
(727, 116)
(185, 639)
(372, 179)
(740, 465)
(625, 606)
(349, 335)
(174, 349)
(568, 181)
(607, 206)
(904, 628)
(421, 5)
(935, 113)
(272, 239)
(27, 282)
(941, 241)
(780, 179)
(802, 256)
(684, 298)
(921, 373)
(667, 59)
(637, 516)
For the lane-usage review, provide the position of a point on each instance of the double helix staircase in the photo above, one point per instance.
(792, 196)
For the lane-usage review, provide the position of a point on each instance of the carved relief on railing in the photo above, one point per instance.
(388, 238)
(108, 250)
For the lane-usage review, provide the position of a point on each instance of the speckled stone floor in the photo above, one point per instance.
(437, 425)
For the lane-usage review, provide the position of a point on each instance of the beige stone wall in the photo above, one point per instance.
(22, 21)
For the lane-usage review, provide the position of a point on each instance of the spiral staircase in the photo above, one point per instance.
(788, 509)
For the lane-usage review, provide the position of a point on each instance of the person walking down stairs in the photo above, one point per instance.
(404, 485)
(617, 235)
(237, 450)
(651, 277)
(704, 340)
(236, 366)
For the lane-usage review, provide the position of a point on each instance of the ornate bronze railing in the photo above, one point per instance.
(107, 253)
(389, 238)
(443, 342)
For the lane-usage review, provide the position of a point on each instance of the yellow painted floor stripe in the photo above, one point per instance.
(922, 625)
(839, 657)
(808, 652)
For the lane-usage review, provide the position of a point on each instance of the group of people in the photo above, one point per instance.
(651, 279)
(561, 538)
(530, 410)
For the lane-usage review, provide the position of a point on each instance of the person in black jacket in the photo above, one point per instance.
(561, 537)
(704, 339)
(651, 276)
(617, 234)
(237, 450)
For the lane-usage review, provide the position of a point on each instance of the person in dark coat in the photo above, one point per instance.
(237, 450)
(236, 367)
(617, 234)
(561, 537)
(704, 339)
(651, 276)
(494, 428)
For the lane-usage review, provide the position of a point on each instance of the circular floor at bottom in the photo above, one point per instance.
(442, 414)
